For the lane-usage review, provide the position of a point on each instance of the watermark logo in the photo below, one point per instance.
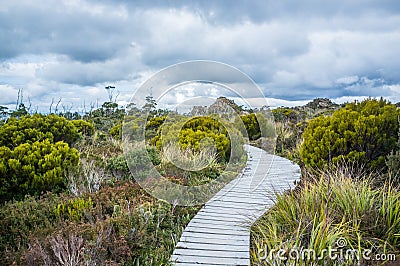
(341, 242)
(341, 251)
(183, 93)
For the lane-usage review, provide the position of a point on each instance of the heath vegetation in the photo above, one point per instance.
(68, 195)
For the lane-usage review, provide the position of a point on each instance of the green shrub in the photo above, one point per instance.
(37, 127)
(116, 131)
(21, 218)
(74, 209)
(252, 126)
(138, 161)
(118, 167)
(284, 114)
(84, 127)
(116, 225)
(33, 168)
(105, 117)
(361, 132)
(393, 160)
(393, 163)
(153, 125)
(194, 133)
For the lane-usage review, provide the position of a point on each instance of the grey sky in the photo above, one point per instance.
(294, 50)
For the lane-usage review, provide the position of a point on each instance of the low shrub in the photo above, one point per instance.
(116, 225)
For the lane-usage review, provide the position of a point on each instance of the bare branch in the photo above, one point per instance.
(56, 110)
(30, 104)
(19, 98)
(51, 105)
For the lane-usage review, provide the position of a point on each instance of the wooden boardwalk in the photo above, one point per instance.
(219, 234)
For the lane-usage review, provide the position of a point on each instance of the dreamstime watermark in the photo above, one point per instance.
(183, 92)
(339, 252)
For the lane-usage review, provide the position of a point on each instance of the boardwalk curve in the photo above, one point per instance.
(219, 234)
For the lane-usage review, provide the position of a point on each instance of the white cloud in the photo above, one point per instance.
(347, 80)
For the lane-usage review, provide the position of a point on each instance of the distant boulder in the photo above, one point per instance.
(322, 103)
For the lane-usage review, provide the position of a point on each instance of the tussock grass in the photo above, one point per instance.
(189, 159)
(330, 207)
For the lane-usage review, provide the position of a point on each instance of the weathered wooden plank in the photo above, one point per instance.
(247, 200)
(238, 237)
(191, 264)
(236, 254)
(215, 241)
(222, 213)
(222, 226)
(217, 231)
(208, 246)
(195, 260)
(213, 217)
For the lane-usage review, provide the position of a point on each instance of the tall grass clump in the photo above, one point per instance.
(331, 208)
(189, 158)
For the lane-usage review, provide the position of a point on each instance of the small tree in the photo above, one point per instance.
(150, 106)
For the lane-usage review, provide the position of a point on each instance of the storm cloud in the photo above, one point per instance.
(294, 50)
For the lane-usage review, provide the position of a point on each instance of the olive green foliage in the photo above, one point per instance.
(71, 115)
(84, 127)
(285, 114)
(3, 114)
(393, 160)
(361, 132)
(197, 129)
(138, 163)
(105, 117)
(37, 127)
(20, 111)
(74, 209)
(116, 131)
(153, 125)
(150, 106)
(252, 127)
(35, 154)
(289, 125)
(32, 168)
(132, 128)
(194, 133)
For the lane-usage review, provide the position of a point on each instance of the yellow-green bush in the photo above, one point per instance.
(84, 127)
(37, 127)
(116, 131)
(361, 132)
(74, 209)
(252, 126)
(194, 132)
(33, 168)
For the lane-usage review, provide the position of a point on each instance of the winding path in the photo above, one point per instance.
(219, 234)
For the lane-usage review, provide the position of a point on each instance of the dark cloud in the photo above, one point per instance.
(294, 50)
(52, 27)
